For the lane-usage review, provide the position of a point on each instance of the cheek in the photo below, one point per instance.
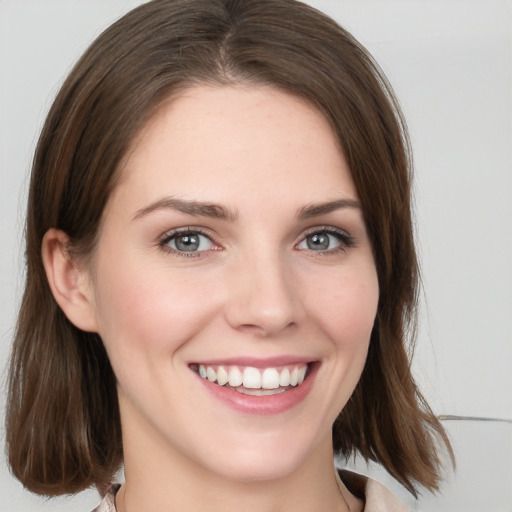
(346, 306)
(153, 312)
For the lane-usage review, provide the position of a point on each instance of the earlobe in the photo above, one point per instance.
(69, 283)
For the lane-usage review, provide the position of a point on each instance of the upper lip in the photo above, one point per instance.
(256, 362)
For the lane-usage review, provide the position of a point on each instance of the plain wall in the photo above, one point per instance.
(450, 62)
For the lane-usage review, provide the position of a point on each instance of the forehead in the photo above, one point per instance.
(253, 139)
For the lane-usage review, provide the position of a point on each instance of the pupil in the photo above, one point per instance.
(187, 243)
(318, 242)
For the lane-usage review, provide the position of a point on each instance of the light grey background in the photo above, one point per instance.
(450, 62)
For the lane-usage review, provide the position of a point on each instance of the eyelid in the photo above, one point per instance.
(346, 239)
(167, 236)
(324, 228)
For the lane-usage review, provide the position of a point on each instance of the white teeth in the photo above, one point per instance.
(222, 376)
(294, 377)
(210, 374)
(270, 379)
(235, 377)
(302, 375)
(250, 378)
(259, 392)
(284, 378)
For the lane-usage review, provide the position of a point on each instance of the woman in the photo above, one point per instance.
(220, 270)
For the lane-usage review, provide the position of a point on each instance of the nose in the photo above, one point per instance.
(264, 298)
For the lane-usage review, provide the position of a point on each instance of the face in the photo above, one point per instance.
(233, 284)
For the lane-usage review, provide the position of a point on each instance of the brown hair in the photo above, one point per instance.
(63, 425)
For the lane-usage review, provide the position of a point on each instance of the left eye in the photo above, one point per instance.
(189, 242)
(323, 241)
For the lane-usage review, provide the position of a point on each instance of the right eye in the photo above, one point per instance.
(187, 242)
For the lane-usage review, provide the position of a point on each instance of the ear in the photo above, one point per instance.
(69, 281)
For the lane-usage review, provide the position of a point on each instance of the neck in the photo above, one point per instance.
(160, 480)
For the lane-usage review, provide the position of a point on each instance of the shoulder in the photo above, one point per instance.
(377, 497)
(108, 503)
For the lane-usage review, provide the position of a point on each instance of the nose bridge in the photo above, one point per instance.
(264, 297)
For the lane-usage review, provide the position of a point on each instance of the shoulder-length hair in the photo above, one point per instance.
(63, 424)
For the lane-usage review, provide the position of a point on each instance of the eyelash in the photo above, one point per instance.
(346, 241)
(168, 237)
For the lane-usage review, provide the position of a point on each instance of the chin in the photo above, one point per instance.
(265, 457)
(258, 468)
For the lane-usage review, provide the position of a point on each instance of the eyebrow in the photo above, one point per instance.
(314, 210)
(200, 208)
(217, 211)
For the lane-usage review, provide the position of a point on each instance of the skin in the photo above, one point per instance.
(254, 289)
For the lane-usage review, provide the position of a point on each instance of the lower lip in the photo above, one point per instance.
(262, 405)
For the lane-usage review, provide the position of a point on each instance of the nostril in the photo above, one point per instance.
(263, 330)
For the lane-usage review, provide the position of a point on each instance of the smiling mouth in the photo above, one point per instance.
(254, 381)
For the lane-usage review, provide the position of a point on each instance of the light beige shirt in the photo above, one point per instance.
(377, 498)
